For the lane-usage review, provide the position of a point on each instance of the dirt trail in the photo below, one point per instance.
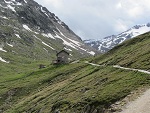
(93, 64)
(140, 105)
(132, 69)
(117, 66)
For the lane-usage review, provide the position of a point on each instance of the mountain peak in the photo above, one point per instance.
(36, 33)
(109, 42)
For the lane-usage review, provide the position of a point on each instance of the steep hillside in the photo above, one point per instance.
(29, 31)
(78, 87)
(110, 42)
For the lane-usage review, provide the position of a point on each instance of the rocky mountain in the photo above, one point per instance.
(29, 30)
(109, 42)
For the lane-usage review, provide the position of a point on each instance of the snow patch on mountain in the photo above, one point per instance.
(67, 49)
(61, 33)
(138, 30)
(49, 35)
(58, 20)
(3, 17)
(37, 38)
(12, 8)
(26, 27)
(44, 12)
(73, 43)
(45, 50)
(10, 45)
(18, 36)
(48, 45)
(92, 53)
(76, 43)
(65, 42)
(25, 1)
(12, 2)
(1, 49)
(2, 60)
(9, 2)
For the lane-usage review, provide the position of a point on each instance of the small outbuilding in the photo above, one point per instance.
(62, 57)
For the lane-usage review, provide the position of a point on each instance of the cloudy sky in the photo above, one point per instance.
(96, 19)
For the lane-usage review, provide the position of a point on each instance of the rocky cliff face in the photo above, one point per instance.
(109, 42)
(28, 29)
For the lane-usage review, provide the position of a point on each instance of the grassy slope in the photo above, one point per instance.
(68, 88)
(74, 87)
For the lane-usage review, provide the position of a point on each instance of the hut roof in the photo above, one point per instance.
(62, 51)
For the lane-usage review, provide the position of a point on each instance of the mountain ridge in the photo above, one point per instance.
(110, 42)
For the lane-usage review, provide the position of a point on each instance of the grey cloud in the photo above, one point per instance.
(95, 19)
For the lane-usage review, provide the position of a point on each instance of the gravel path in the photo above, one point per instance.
(117, 66)
(92, 64)
(140, 70)
(140, 105)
